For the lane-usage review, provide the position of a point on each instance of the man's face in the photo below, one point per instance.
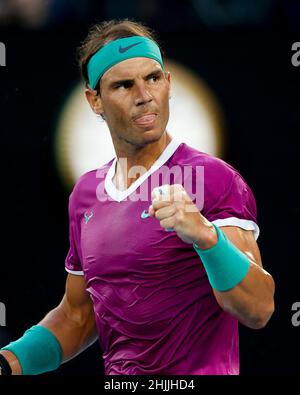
(135, 100)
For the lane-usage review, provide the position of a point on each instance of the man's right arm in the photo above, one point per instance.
(72, 322)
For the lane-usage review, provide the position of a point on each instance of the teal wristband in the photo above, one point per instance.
(38, 351)
(225, 264)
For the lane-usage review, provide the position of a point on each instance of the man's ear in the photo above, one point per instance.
(94, 100)
(168, 78)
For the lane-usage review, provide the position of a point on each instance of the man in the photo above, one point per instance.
(161, 278)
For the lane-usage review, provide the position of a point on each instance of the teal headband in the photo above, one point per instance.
(119, 50)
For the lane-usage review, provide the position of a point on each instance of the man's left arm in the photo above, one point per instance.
(249, 293)
(252, 300)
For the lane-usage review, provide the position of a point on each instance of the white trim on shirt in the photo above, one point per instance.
(246, 224)
(118, 195)
(76, 272)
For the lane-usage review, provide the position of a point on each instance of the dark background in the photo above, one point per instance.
(242, 49)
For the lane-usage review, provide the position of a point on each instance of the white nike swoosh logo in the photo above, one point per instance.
(145, 214)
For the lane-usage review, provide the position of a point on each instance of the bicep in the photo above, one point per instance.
(77, 302)
(244, 240)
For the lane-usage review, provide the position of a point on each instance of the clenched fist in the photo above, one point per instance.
(175, 210)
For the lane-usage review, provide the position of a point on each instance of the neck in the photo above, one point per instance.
(143, 157)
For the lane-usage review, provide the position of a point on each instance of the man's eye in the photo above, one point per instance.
(154, 78)
(125, 85)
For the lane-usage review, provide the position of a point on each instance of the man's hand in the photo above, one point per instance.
(252, 300)
(175, 210)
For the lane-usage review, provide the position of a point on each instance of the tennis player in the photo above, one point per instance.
(163, 261)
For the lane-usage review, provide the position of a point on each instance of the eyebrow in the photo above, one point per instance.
(155, 73)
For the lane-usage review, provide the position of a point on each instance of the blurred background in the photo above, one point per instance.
(236, 92)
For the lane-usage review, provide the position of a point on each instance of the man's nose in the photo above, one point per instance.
(143, 95)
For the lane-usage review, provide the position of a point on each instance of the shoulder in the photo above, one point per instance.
(215, 169)
(219, 181)
(220, 176)
(84, 190)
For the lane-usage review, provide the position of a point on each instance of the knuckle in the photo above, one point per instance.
(180, 215)
(178, 186)
(162, 223)
(155, 204)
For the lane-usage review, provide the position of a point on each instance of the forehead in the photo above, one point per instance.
(130, 69)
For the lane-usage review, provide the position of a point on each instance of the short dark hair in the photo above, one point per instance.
(106, 31)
